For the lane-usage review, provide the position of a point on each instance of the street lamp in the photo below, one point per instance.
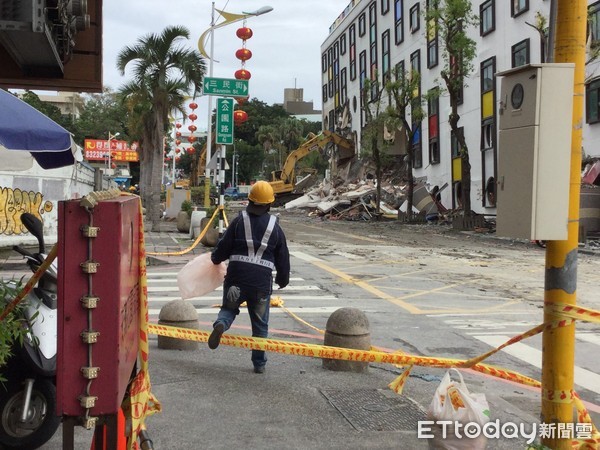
(110, 138)
(229, 19)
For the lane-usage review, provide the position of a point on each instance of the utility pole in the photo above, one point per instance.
(558, 350)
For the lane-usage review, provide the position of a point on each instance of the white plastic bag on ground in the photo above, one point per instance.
(452, 401)
(200, 276)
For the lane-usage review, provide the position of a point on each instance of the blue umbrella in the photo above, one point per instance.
(24, 129)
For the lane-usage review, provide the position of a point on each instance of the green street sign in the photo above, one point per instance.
(227, 87)
(224, 133)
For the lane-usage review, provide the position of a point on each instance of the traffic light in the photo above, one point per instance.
(51, 44)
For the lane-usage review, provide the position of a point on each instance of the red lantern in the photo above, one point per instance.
(242, 74)
(240, 116)
(177, 150)
(177, 141)
(113, 165)
(243, 54)
(178, 134)
(193, 106)
(191, 139)
(241, 100)
(193, 117)
(244, 33)
(190, 150)
(192, 128)
(177, 158)
(177, 125)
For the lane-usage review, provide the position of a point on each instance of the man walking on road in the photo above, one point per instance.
(255, 244)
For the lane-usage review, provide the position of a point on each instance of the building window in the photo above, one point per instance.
(352, 42)
(487, 17)
(362, 68)
(415, 61)
(487, 134)
(592, 101)
(454, 147)
(399, 21)
(519, 7)
(433, 106)
(416, 146)
(487, 75)
(362, 24)
(385, 55)
(385, 6)
(594, 22)
(432, 53)
(490, 192)
(324, 62)
(324, 93)
(343, 44)
(344, 90)
(414, 18)
(520, 53)
(400, 70)
(373, 23)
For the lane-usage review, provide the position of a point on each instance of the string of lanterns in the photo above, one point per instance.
(243, 54)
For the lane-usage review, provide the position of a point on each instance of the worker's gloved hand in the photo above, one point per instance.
(282, 285)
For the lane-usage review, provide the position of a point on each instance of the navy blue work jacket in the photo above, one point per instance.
(275, 255)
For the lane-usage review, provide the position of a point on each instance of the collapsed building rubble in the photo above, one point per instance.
(357, 201)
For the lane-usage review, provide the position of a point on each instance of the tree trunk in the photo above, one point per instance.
(464, 155)
(411, 182)
(377, 158)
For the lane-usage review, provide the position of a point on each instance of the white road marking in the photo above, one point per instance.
(589, 337)
(583, 377)
(273, 310)
(305, 257)
(152, 288)
(284, 297)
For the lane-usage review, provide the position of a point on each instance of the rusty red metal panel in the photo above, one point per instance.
(116, 317)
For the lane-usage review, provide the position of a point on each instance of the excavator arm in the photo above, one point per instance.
(283, 181)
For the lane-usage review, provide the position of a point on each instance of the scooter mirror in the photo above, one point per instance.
(35, 227)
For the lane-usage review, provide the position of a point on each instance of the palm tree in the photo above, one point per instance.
(163, 73)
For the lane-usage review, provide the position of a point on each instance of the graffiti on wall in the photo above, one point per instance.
(14, 202)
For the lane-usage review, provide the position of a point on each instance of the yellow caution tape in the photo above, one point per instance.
(566, 313)
(198, 239)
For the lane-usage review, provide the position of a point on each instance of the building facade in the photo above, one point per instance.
(372, 38)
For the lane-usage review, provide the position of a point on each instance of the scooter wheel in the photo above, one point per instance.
(41, 423)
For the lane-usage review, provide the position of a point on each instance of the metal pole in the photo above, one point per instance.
(209, 132)
(558, 348)
(221, 166)
(173, 176)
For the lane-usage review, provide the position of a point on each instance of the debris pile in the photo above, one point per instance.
(337, 200)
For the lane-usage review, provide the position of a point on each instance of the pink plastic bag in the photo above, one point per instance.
(200, 276)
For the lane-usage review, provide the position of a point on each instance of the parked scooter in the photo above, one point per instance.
(28, 397)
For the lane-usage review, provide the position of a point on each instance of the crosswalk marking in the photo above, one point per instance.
(162, 288)
(243, 310)
(220, 288)
(589, 337)
(583, 377)
(284, 296)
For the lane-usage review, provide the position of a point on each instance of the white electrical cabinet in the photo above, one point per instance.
(536, 110)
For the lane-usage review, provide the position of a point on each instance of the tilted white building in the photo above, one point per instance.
(375, 36)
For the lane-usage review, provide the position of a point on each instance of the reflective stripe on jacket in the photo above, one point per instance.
(254, 245)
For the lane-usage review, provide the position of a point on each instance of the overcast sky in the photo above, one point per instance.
(285, 46)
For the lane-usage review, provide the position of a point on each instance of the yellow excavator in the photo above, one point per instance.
(284, 181)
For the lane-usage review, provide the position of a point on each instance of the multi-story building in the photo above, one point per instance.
(372, 37)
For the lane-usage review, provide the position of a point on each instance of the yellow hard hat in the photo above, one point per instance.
(261, 193)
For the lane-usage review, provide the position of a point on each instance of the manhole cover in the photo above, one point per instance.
(371, 410)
